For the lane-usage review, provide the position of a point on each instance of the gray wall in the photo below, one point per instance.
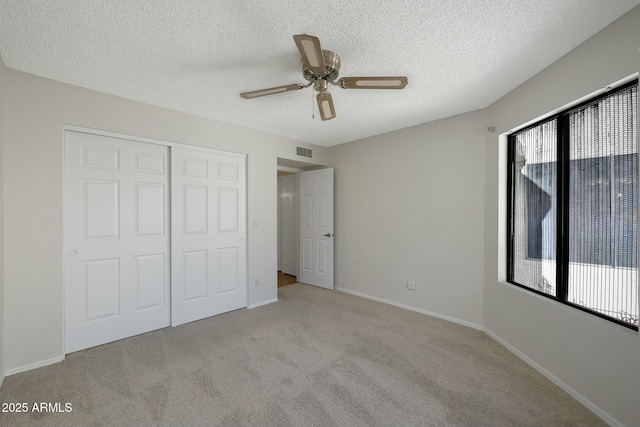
(2, 298)
(410, 206)
(427, 203)
(597, 359)
(35, 111)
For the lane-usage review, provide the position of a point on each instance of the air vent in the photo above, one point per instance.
(304, 152)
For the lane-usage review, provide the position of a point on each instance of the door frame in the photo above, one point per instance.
(297, 166)
(135, 138)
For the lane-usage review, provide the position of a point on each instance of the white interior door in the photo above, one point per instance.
(316, 227)
(288, 220)
(116, 239)
(208, 230)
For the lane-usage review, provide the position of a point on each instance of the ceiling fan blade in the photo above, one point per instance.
(311, 52)
(325, 105)
(270, 91)
(397, 82)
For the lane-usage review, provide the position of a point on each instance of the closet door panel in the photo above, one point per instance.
(208, 234)
(116, 239)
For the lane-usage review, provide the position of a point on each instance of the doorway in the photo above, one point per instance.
(288, 236)
(305, 224)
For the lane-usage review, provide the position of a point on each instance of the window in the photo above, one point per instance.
(573, 206)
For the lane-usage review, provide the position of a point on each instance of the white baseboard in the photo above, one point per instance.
(262, 303)
(417, 310)
(557, 381)
(61, 358)
(33, 366)
(580, 398)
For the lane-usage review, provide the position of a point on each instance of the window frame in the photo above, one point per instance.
(563, 202)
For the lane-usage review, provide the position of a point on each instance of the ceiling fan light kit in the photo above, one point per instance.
(321, 68)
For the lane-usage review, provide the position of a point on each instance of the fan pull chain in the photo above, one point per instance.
(313, 110)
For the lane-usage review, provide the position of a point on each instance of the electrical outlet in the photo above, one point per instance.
(411, 284)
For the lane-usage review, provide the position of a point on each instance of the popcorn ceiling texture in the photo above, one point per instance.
(198, 56)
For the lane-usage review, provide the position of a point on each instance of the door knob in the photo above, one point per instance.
(73, 253)
(328, 235)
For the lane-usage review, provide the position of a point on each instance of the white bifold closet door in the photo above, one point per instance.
(153, 236)
(116, 239)
(208, 234)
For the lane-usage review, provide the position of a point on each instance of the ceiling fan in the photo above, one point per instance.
(320, 67)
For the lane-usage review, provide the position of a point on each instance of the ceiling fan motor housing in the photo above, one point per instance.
(332, 68)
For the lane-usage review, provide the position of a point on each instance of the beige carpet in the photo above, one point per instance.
(315, 358)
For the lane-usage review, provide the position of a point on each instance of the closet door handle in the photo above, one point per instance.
(328, 235)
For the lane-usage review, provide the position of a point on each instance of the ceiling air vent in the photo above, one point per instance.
(304, 152)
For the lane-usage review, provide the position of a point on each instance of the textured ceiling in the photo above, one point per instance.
(197, 56)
